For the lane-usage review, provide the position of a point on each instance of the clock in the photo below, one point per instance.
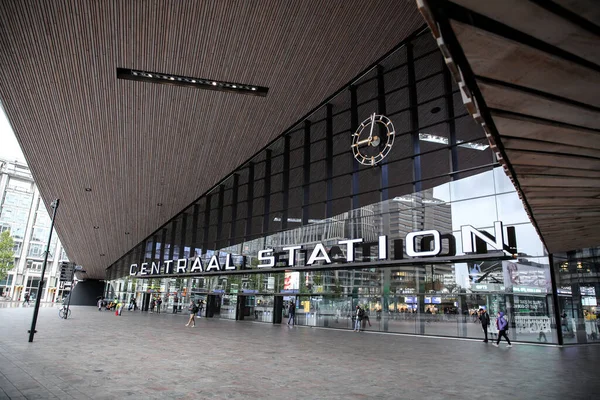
(371, 143)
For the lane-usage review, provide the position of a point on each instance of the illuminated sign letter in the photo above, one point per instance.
(181, 266)
(168, 266)
(468, 235)
(229, 263)
(197, 265)
(292, 254)
(350, 248)
(319, 248)
(144, 269)
(155, 269)
(263, 256)
(410, 244)
(213, 264)
(133, 269)
(383, 247)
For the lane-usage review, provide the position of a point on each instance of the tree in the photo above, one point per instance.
(7, 255)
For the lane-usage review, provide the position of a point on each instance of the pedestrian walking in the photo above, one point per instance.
(175, 304)
(152, 305)
(100, 301)
(118, 307)
(292, 312)
(193, 309)
(484, 318)
(158, 303)
(502, 325)
(200, 308)
(358, 316)
(365, 320)
(26, 299)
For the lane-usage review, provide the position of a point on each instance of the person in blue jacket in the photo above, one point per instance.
(502, 325)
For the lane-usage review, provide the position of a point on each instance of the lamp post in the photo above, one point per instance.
(36, 309)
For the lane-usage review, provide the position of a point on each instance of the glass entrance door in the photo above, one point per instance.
(228, 306)
(213, 306)
(246, 308)
(263, 308)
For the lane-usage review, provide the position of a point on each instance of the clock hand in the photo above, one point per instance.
(372, 124)
(365, 141)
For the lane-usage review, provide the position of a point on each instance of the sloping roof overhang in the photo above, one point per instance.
(529, 72)
(137, 145)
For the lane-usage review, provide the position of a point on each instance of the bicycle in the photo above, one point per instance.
(64, 313)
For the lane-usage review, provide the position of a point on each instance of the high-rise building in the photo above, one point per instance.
(24, 215)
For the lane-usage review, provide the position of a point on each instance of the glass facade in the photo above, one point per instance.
(306, 189)
(578, 286)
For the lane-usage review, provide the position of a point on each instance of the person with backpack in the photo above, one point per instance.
(358, 316)
(193, 309)
(502, 325)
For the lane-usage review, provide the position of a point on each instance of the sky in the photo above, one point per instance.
(9, 147)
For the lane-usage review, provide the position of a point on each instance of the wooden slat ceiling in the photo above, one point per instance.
(139, 144)
(536, 67)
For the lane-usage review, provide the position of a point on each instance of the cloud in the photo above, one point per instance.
(10, 149)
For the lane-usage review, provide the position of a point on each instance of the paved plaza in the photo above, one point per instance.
(97, 355)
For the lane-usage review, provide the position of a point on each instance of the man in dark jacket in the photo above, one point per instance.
(292, 312)
(484, 318)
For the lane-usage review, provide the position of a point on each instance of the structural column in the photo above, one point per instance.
(306, 174)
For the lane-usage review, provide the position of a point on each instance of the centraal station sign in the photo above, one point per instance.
(431, 246)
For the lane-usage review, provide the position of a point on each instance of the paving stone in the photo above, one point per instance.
(154, 356)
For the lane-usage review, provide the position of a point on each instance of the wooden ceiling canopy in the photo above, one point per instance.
(530, 74)
(146, 151)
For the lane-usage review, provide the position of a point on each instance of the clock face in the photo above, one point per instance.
(373, 139)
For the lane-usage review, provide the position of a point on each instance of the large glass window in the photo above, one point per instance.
(306, 188)
(578, 288)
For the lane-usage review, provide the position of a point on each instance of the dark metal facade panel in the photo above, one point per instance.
(137, 144)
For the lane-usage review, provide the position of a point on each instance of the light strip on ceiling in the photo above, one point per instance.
(426, 137)
(198, 83)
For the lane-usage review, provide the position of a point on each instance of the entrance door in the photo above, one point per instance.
(263, 308)
(229, 306)
(277, 309)
(213, 306)
(246, 308)
(203, 298)
(145, 301)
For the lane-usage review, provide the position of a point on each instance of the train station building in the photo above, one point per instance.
(423, 160)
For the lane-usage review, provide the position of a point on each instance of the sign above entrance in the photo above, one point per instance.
(422, 245)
